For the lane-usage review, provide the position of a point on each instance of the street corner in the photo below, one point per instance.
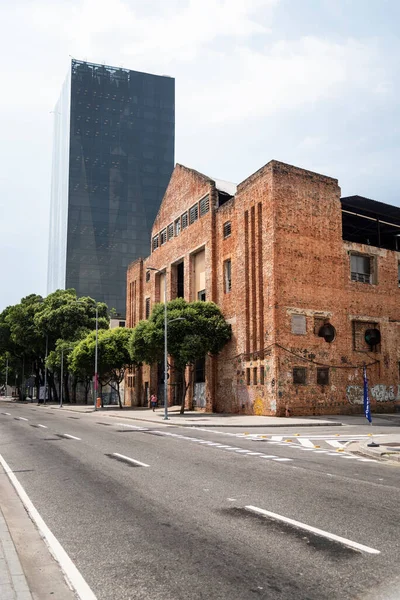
(387, 451)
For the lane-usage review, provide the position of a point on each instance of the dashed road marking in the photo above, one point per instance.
(320, 532)
(128, 459)
(69, 436)
(43, 426)
(8, 414)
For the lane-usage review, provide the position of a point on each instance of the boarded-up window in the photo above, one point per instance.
(299, 324)
(147, 275)
(262, 375)
(300, 375)
(323, 375)
(198, 274)
(254, 375)
(248, 376)
(359, 329)
(227, 229)
(147, 308)
(204, 205)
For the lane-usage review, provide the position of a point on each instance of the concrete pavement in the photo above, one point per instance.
(195, 418)
(384, 447)
(179, 528)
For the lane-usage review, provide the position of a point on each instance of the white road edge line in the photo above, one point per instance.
(315, 530)
(8, 414)
(132, 460)
(70, 571)
(71, 437)
(44, 426)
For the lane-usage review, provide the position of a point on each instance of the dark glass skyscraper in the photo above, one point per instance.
(112, 159)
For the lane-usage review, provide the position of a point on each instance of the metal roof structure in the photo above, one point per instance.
(367, 221)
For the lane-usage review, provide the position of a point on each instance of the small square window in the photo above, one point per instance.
(361, 267)
(255, 379)
(227, 229)
(204, 205)
(184, 220)
(262, 375)
(228, 275)
(247, 376)
(323, 375)
(201, 295)
(163, 236)
(147, 309)
(299, 375)
(299, 324)
(193, 213)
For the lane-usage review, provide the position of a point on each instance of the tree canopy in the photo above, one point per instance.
(113, 356)
(195, 329)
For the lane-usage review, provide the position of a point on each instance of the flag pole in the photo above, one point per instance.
(367, 404)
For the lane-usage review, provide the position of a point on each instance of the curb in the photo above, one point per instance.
(227, 424)
(385, 457)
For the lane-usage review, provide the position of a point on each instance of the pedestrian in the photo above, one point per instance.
(153, 402)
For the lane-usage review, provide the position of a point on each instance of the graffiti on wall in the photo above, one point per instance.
(378, 392)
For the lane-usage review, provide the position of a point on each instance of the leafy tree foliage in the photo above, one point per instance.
(113, 357)
(195, 329)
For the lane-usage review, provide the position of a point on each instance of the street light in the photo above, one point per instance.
(166, 418)
(165, 343)
(96, 353)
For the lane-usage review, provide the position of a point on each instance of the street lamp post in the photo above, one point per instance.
(45, 369)
(96, 377)
(6, 376)
(165, 344)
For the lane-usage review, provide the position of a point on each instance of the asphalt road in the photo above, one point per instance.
(178, 528)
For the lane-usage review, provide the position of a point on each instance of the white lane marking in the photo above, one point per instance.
(307, 449)
(128, 459)
(306, 442)
(233, 448)
(132, 426)
(315, 530)
(222, 446)
(367, 460)
(268, 456)
(321, 451)
(44, 426)
(334, 443)
(277, 438)
(282, 459)
(71, 437)
(8, 414)
(255, 453)
(21, 419)
(69, 569)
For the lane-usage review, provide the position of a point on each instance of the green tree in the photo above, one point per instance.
(195, 329)
(113, 357)
(25, 327)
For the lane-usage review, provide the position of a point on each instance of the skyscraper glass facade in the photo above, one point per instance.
(109, 176)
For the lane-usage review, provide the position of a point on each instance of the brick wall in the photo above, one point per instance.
(290, 274)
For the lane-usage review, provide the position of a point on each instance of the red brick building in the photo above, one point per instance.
(300, 274)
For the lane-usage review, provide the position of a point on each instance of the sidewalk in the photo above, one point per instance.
(200, 419)
(28, 570)
(388, 447)
(13, 585)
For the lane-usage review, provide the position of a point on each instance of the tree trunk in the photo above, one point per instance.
(74, 386)
(52, 387)
(185, 389)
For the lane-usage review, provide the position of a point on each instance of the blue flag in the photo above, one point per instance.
(367, 406)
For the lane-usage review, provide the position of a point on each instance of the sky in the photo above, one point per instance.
(313, 83)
